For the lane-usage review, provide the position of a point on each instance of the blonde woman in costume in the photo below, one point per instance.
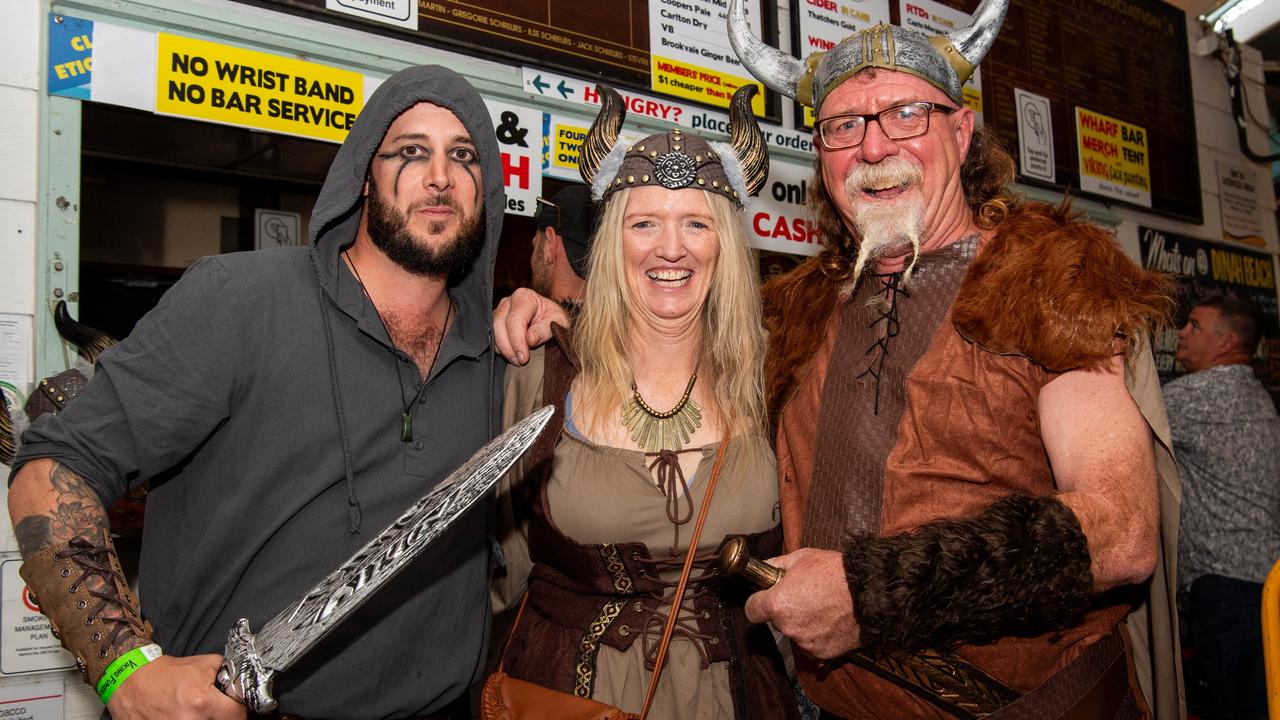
(664, 361)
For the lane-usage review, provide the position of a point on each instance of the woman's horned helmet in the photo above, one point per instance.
(676, 159)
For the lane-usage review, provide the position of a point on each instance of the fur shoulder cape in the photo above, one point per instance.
(1047, 286)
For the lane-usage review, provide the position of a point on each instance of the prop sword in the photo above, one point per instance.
(251, 661)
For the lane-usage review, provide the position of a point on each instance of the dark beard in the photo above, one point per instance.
(389, 230)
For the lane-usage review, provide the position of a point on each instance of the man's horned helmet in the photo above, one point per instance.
(944, 61)
(675, 159)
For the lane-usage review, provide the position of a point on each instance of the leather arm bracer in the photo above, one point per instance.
(1021, 567)
(97, 626)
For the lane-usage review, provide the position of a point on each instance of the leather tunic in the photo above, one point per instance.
(899, 421)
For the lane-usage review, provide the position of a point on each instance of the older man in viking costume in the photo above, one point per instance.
(964, 407)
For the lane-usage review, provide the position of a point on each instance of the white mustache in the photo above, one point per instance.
(890, 172)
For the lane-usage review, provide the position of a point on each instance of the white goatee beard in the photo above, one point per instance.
(886, 226)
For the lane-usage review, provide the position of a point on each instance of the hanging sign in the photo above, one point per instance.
(1113, 158)
(234, 86)
(689, 52)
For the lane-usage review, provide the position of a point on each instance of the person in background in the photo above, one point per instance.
(566, 224)
(1226, 437)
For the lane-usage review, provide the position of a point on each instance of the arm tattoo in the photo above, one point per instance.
(76, 511)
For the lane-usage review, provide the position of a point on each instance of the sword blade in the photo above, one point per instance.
(250, 661)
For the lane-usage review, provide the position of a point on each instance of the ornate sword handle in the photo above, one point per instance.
(735, 559)
(242, 676)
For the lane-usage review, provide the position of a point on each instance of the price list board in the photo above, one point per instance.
(1116, 74)
(673, 47)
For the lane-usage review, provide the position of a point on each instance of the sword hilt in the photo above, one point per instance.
(243, 677)
(735, 559)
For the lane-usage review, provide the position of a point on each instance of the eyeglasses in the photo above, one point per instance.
(899, 122)
(547, 213)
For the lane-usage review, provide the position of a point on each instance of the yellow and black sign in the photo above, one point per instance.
(225, 84)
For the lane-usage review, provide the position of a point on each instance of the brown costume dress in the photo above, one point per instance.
(594, 536)
(921, 403)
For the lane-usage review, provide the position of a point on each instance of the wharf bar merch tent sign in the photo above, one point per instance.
(1201, 268)
(677, 48)
(213, 82)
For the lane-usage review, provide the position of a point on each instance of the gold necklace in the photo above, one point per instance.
(653, 430)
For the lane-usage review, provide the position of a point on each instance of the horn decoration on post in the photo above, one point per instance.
(973, 42)
(89, 342)
(603, 134)
(748, 140)
(779, 71)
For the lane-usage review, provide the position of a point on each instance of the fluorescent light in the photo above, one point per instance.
(1232, 12)
(1245, 18)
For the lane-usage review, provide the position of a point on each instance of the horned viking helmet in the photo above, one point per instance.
(675, 159)
(944, 61)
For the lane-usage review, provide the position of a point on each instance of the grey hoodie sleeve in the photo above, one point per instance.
(157, 395)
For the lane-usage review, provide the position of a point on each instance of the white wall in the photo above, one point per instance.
(19, 97)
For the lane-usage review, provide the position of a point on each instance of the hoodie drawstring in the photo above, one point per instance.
(353, 502)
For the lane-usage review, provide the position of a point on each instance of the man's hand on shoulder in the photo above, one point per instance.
(522, 321)
(811, 604)
(175, 688)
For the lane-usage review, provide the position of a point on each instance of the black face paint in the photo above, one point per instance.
(405, 161)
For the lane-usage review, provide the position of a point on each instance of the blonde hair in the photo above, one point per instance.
(732, 357)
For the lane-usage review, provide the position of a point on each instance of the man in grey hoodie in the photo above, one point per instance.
(285, 406)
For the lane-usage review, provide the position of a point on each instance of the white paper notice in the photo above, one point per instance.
(1035, 135)
(26, 643)
(36, 700)
(15, 351)
(1238, 196)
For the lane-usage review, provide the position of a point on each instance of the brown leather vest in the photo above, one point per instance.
(956, 427)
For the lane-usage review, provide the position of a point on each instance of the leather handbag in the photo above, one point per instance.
(506, 698)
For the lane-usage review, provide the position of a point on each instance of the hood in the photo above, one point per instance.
(337, 211)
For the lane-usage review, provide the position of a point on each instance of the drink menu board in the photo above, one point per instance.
(619, 42)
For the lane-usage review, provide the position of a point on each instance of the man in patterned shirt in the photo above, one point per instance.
(1226, 437)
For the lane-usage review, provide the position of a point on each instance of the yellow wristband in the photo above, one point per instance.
(122, 667)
